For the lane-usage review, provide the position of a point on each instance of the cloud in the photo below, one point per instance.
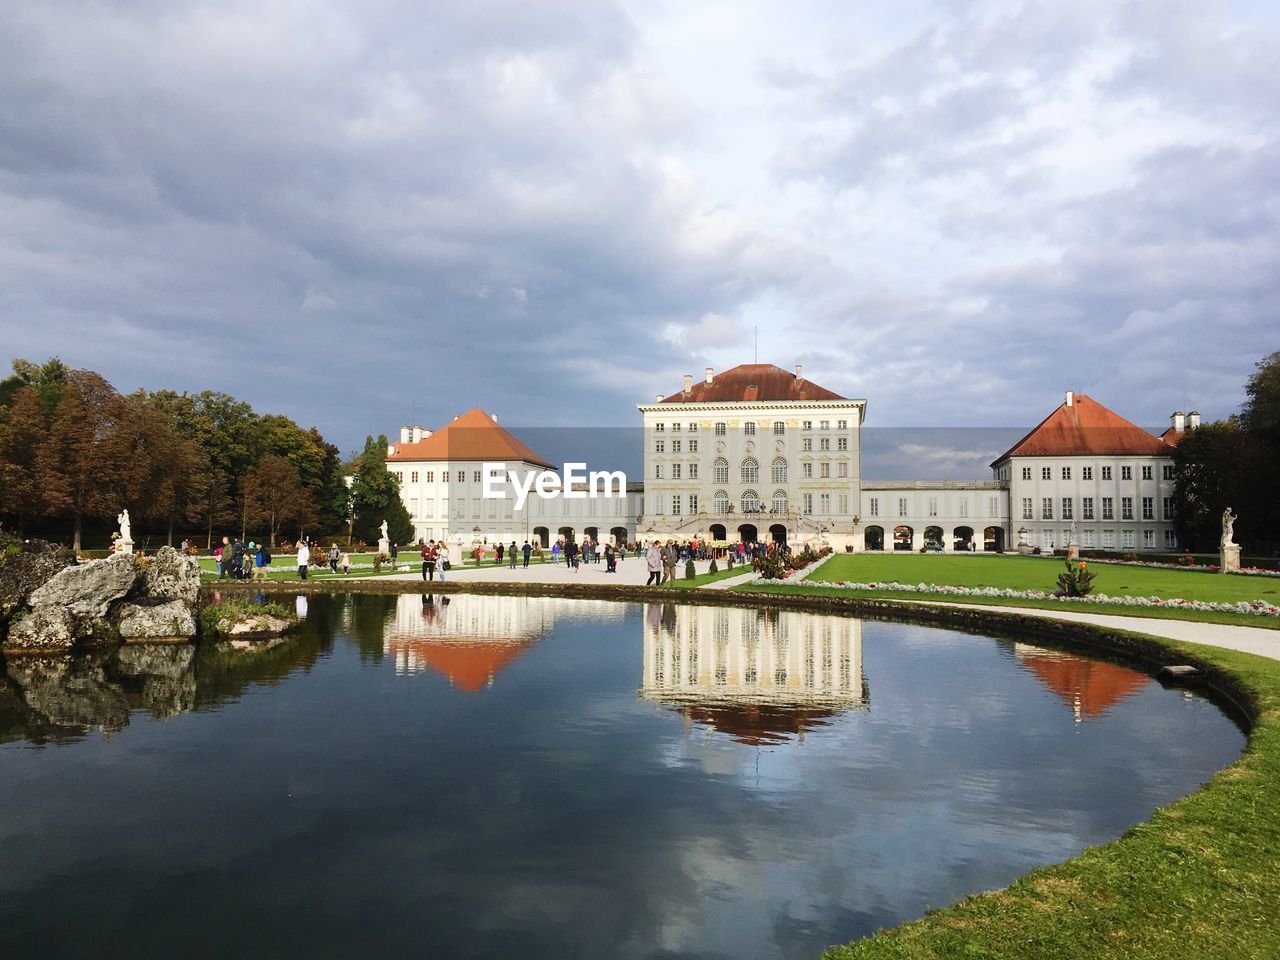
(710, 331)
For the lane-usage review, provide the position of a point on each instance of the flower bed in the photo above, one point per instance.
(1198, 567)
(792, 574)
(1259, 608)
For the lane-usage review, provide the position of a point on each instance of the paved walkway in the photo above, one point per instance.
(631, 572)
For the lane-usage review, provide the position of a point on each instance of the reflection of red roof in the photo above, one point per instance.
(758, 724)
(751, 382)
(1086, 428)
(469, 665)
(473, 436)
(1091, 685)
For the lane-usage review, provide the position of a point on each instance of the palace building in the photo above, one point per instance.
(762, 453)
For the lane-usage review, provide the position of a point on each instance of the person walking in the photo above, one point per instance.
(304, 558)
(498, 551)
(526, 550)
(334, 556)
(511, 554)
(670, 557)
(555, 552)
(262, 560)
(220, 558)
(610, 559)
(346, 562)
(429, 561)
(653, 563)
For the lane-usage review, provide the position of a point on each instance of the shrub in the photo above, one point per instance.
(690, 572)
(1077, 581)
(715, 568)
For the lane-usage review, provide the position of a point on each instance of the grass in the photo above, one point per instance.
(238, 609)
(1200, 879)
(702, 579)
(1040, 573)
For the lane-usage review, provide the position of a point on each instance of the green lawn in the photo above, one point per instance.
(702, 579)
(1200, 879)
(1041, 573)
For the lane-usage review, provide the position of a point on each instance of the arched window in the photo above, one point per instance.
(720, 471)
(779, 501)
(750, 501)
(721, 501)
(750, 471)
(778, 471)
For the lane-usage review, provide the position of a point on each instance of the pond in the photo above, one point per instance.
(470, 776)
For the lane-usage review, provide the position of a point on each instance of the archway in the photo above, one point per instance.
(619, 535)
(542, 535)
(873, 538)
(993, 539)
(903, 537)
(719, 533)
(778, 533)
(933, 538)
(962, 539)
(748, 533)
(592, 534)
(565, 533)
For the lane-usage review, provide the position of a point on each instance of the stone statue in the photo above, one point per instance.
(126, 534)
(1228, 527)
(383, 528)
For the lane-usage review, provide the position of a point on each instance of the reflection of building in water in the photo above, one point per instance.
(758, 675)
(469, 639)
(1088, 687)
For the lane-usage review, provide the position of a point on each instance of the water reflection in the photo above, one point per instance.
(55, 698)
(1088, 687)
(758, 676)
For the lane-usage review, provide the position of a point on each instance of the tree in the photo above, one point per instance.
(24, 424)
(276, 496)
(78, 461)
(48, 380)
(375, 496)
(1210, 464)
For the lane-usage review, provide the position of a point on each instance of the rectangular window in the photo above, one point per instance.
(659, 446)
(842, 443)
(806, 425)
(932, 506)
(824, 443)
(824, 425)
(1126, 473)
(779, 428)
(824, 470)
(1066, 473)
(1046, 473)
(1086, 508)
(1026, 473)
(807, 500)
(1106, 473)
(1166, 508)
(1170, 540)
(475, 508)
(844, 503)
(693, 503)
(675, 504)
(1126, 539)
(1149, 539)
(806, 444)
(429, 508)
(824, 502)
(413, 507)
(1046, 508)
(1147, 472)
(431, 476)
(693, 471)
(842, 469)
(806, 471)
(1148, 508)
(1126, 508)
(1086, 473)
(993, 506)
(693, 428)
(902, 506)
(413, 477)
(1108, 508)
(693, 446)
(675, 428)
(1068, 509)
(660, 427)
(964, 506)
(475, 476)
(1108, 539)
(875, 506)
(1166, 473)
(675, 471)
(720, 429)
(1026, 508)
(749, 429)
(657, 471)
(675, 446)
(1086, 538)
(462, 476)
(842, 424)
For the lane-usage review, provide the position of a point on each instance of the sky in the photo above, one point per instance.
(366, 215)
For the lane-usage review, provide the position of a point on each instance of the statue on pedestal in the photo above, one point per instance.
(124, 542)
(1228, 549)
(1228, 528)
(383, 528)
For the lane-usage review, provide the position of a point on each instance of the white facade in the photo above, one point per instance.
(956, 516)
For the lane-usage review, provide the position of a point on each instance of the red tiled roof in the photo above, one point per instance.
(473, 436)
(1089, 686)
(758, 724)
(1086, 428)
(468, 665)
(751, 382)
(1172, 436)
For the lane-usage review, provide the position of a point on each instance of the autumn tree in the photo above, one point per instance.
(276, 496)
(24, 423)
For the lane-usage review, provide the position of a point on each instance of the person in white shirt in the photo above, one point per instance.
(304, 558)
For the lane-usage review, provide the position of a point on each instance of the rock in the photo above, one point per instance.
(24, 566)
(170, 660)
(172, 576)
(158, 622)
(44, 629)
(257, 626)
(87, 591)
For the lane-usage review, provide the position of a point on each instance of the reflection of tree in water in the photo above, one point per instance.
(224, 675)
(366, 618)
(48, 699)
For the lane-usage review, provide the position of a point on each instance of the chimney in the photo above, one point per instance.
(1177, 421)
(1193, 420)
(709, 375)
(799, 372)
(657, 398)
(1071, 398)
(406, 434)
(688, 382)
(493, 417)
